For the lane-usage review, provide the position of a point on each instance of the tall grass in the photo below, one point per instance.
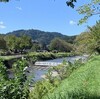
(83, 83)
(35, 56)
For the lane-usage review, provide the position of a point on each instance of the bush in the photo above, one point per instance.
(40, 89)
(15, 87)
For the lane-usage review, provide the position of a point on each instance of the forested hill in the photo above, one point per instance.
(41, 36)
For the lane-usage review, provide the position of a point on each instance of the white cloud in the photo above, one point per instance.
(2, 26)
(71, 22)
(19, 8)
(1, 22)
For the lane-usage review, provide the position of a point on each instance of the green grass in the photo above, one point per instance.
(48, 55)
(83, 83)
(7, 57)
(10, 57)
(41, 55)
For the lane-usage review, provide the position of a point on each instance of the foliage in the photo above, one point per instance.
(11, 42)
(40, 89)
(2, 42)
(3, 71)
(60, 45)
(35, 47)
(88, 10)
(83, 83)
(18, 43)
(95, 35)
(70, 3)
(15, 87)
(82, 43)
(89, 42)
(25, 42)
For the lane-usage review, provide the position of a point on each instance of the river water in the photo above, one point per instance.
(38, 71)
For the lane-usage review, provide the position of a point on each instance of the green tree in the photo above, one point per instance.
(11, 41)
(18, 43)
(88, 10)
(82, 42)
(25, 42)
(60, 45)
(2, 43)
(35, 47)
(95, 37)
(89, 41)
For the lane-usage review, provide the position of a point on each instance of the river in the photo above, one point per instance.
(39, 71)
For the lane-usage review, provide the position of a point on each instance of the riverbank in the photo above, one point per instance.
(9, 57)
(33, 56)
(83, 82)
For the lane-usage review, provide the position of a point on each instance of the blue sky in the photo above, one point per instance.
(45, 15)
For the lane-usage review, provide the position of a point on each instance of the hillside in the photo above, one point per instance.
(83, 83)
(41, 36)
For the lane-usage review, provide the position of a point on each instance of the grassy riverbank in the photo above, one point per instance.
(9, 57)
(39, 55)
(47, 55)
(83, 83)
(33, 57)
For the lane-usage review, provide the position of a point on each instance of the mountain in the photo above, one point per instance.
(42, 36)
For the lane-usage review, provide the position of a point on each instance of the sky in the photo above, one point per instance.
(45, 15)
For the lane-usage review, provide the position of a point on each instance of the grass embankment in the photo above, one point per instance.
(9, 57)
(39, 55)
(83, 83)
(34, 56)
(6, 57)
(48, 55)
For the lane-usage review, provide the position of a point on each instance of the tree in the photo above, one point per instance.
(2, 43)
(11, 41)
(95, 35)
(89, 41)
(25, 42)
(60, 45)
(87, 10)
(71, 3)
(18, 43)
(35, 47)
(82, 42)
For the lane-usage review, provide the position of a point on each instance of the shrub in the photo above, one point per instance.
(15, 87)
(40, 89)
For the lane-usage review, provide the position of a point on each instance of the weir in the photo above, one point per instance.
(47, 63)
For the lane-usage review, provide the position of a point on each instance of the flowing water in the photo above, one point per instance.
(39, 71)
